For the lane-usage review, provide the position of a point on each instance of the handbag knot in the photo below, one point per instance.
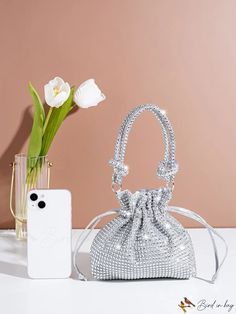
(166, 170)
(120, 170)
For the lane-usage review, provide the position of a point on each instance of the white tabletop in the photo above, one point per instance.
(19, 294)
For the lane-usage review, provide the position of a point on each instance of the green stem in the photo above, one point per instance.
(47, 119)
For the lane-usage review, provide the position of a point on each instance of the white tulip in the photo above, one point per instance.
(88, 94)
(56, 92)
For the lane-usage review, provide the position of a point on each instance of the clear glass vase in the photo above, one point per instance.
(30, 173)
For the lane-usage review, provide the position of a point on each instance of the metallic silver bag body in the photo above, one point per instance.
(144, 240)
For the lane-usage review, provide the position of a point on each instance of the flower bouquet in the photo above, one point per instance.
(32, 170)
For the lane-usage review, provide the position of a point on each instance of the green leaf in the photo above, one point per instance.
(57, 116)
(35, 142)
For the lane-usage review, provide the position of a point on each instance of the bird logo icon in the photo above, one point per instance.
(185, 304)
(187, 301)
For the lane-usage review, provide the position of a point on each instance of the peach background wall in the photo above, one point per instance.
(178, 54)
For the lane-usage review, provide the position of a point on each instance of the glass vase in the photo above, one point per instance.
(30, 173)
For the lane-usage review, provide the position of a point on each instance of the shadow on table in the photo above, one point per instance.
(84, 266)
(14, 270)
(17, 251)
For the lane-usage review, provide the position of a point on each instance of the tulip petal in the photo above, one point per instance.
(88, 94)
(56, 92)
(49, 94)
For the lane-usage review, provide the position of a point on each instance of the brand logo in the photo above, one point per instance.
(185, 303)
(203, 304)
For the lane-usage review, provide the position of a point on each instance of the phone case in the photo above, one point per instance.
(49, 233)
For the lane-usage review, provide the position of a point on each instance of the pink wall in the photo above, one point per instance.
(178, 54)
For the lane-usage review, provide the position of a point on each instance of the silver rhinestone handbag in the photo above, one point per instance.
(144, 240)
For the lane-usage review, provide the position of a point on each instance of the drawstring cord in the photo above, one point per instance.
(188, 213)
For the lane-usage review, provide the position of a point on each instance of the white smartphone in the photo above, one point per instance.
(49, 233)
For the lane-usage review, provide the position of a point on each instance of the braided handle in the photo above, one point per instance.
(167, 168)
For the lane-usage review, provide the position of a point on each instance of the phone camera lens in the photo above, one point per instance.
(33, 197)
(41, 204)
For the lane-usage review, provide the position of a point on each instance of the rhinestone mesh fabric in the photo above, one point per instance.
(143, 241)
